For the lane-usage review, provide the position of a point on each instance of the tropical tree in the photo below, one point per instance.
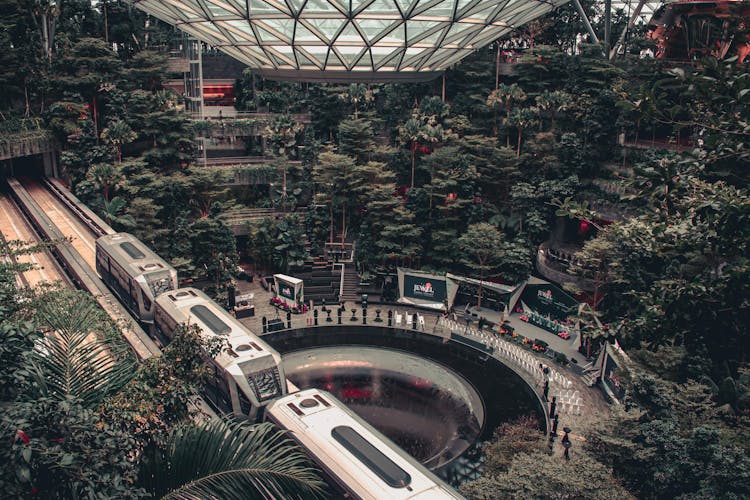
(483, 245)
(552, 103)
(83, 356)
(332, 175)
(522, 119)
(106, 176)
(358, 93)
(113, 213)
(282, 133)
(118, 133)
(506, 97)
(412, 132)
(219, 459)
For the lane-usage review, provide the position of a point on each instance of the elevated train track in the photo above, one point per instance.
(367, 465)
(58, 217)
(14, 226)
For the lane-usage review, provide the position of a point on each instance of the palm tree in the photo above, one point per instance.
(591, 328)
(505, 96)
(552, 102)
(522, 119)
(218, 459)
(118, 134)
(412, 132)
(113, 213)
(357, 93)
(106, 177)
(283, 135)
(77, 359)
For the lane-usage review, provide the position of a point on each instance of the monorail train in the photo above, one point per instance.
(246, 375)
(134, 272)
(361, 461)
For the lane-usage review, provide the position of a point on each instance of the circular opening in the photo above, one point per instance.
(182, 294)
(308, 403)
(242, 347)
(428, 409)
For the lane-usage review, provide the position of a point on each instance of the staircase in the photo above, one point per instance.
(590, 374)
(351, 284)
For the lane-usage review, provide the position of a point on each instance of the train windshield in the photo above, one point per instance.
(265, 384)
(159, 282)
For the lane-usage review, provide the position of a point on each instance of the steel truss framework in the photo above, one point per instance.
(356, 37)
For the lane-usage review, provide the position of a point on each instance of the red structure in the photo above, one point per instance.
(692, 29)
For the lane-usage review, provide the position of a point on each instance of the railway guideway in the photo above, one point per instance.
(63, 219)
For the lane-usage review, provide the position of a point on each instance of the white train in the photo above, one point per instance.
(134, 272)
(361, 461)
(248, 374)
(248, 377)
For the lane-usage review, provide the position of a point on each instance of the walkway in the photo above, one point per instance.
(578, 405)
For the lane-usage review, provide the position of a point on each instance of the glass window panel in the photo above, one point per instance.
(265, 35)
(460, 30)
(302, 35)
(260, 7)
(431, 40)
(416, 28)
(348, 55)
(381, 7)
(326, 27)
(239, 6)
(372, 28)
(464, 4)
(242, 26)
(219, 9)
(303, 60)
(296, 5)
(350, 36)
(431, 9)
(319, 53)
(404, 5)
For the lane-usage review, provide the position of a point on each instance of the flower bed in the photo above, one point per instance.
(284, 306)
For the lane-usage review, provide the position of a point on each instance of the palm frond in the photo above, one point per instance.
(218, 459)
(76, 360)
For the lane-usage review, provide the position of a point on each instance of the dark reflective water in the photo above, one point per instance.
(433, 413)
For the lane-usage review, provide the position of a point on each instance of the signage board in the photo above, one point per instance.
(425, 288)
(549, 300)
(286, 290)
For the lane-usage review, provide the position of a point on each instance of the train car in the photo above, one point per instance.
(134, 272)
(359, 461)
(246, 375)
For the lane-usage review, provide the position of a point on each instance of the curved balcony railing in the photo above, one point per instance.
(555, 266)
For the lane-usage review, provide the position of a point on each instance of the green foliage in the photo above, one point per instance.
(59, 448)
(81, 358)
(214, 248)
(518, 464)
(162, 391)
(672, 443)
(232, 460)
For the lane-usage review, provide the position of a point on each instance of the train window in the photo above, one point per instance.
(385, 468)
(245, 405)
(265, 384)
(211, 320)
(132, 251)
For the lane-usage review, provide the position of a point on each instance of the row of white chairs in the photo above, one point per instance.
(409, 318)
(574, 408)
(509, 351)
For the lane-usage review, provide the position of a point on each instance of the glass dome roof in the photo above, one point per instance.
(348, 39)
